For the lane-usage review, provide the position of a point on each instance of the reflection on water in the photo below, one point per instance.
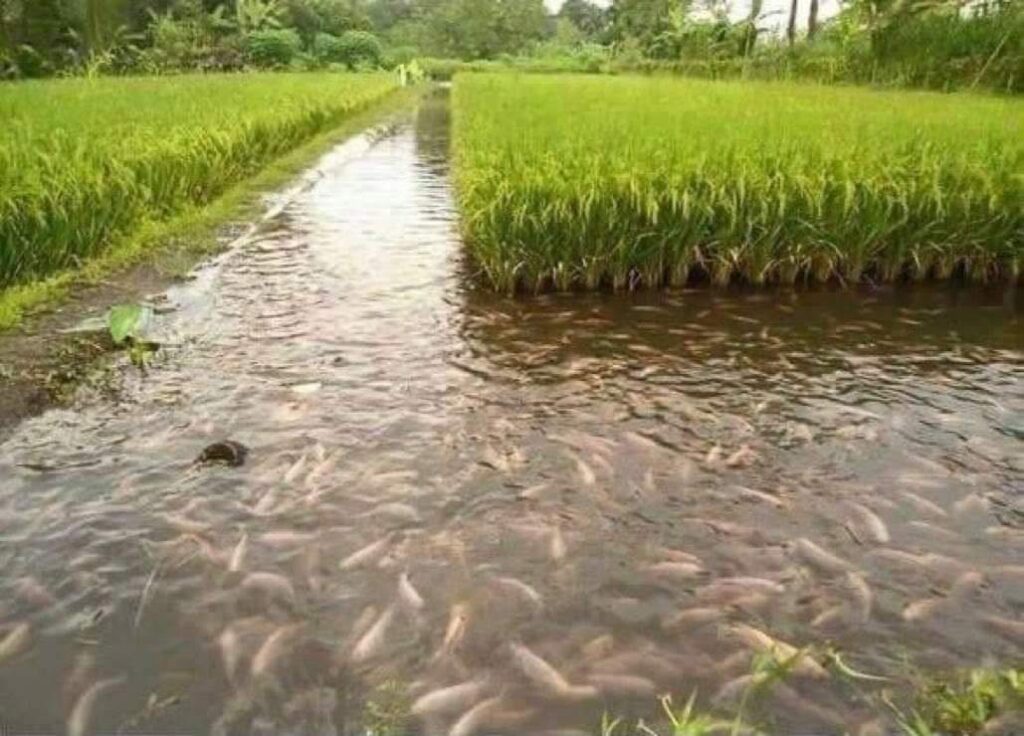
(524, 512)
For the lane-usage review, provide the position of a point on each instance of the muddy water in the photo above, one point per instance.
(447, 487)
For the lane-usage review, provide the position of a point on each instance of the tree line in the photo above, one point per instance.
(921, 41)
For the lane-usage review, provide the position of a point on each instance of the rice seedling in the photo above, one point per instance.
(588, 182)
(85, 161)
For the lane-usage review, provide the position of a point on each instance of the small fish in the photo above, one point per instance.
(292, 474)
(971, 505)
(273, 649)
(713, 456)
(872, 523)
(862, 594)
(449, 699)
(586, 473)
(1009, 628)
(623, 685)
(408, 594)
(732, 691)
(266, 503)
(230, 651)
(472, 720)
(81, 713)
(922, 609)
(693, 617)
(239, 553)
(598, 647)
(458, 619)
(742, 457)
(525, 590)
(923, 505)
(818, 558)
(306, 389)
(534, 492)
(557, 548)
(759, 641)
(400, 512)
(676, 570)
(366, 556)
(286, 538)
(542, 674)
(371, 642)
(830, 617)
(274, 585)
(16, 643)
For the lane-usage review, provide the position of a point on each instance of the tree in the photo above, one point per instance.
(643, 20)
(589, 19)
(794, 8)
(812, 19)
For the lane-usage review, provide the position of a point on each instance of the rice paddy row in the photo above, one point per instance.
(588, 182)
(85, 161)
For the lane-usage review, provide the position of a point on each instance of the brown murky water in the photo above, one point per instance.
(446, 487)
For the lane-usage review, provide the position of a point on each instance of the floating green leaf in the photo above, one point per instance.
(127, 322)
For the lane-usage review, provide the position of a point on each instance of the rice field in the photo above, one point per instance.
(589, 182)
(85, 161)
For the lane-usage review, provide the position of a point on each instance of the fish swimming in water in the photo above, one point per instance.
(370, 643)
(81, 713)
(449, 699)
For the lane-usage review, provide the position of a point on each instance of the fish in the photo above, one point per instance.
(830, 617)
(924, 506)
(286, 538)
(742, 457)
(862, 594)
(821, 559)
(759, 641)
(732, 691)
(713, 456)
(449, 699)
(408, 594)
(292, 474)
(922, 609)
(238, 555)
(367, 555)
(623, 685)
(33, 592)
(1008, 628)
(370, 643)
(16, 643)
(872, 523)
(760, 496)
(542, 674)
(81, 713)
(230, 652)
(526, 590)
(472, 720)
(272, 649)
(586, 473)
(274, 585)
(458, 619)
(676, 570)
(598, 647)
(557, 548)
(693, 617)
(972, 504)
(400, 512)
(266, 503)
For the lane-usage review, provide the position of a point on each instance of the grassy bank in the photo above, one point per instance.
(83, 162)
(574, 181)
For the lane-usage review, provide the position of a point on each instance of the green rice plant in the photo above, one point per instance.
(85, 161)
(624, 182)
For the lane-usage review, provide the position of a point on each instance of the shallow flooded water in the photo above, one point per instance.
(564, 505)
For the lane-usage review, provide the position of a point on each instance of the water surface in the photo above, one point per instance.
(613, 484)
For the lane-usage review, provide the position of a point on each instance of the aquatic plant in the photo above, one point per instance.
(84, 161)
(572, 181)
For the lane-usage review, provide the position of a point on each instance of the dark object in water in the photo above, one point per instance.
(228, 452)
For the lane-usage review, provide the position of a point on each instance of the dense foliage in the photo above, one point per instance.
(940, 44)
(633, 182)
(84, 161)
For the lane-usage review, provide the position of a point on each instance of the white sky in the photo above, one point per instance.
(775, 13)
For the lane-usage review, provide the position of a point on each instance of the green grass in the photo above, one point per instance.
(83, 162)
(580, 181)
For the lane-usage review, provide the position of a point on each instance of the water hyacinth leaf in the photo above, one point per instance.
(128, 322)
